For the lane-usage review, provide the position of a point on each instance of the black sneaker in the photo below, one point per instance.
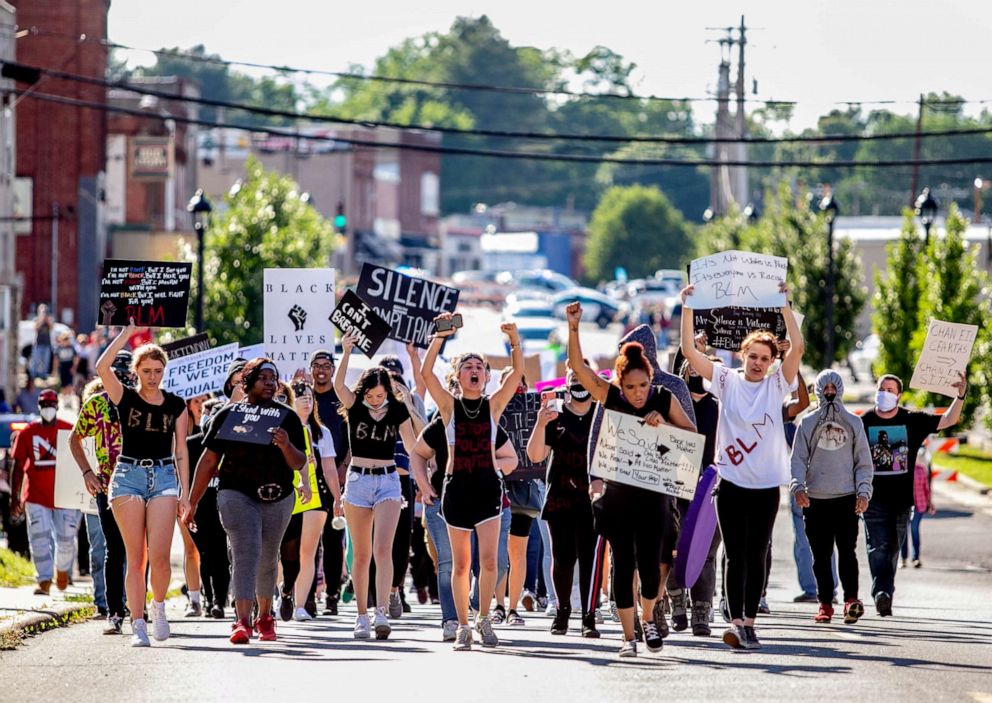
(560, 624)
(330, 606)
(750, 638)
(311, 608)
(217, 612)
(680, 613)
(404, 604)
(589, 630)
(652, 637)
(660, 621)
(114, 625)
(286, 608)
(883, 603)
(638, 631)
(701, 619)
(734, 637)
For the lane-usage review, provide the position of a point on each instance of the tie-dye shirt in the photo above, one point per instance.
(98, 419)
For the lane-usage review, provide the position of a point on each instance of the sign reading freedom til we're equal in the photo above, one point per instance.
(297, 308)
(200, 372)
(739, 279)
(663, 459)
(945, 354)
(152, 293)
(408, 304)
(354, 314)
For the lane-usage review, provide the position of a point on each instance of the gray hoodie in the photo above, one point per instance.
(831, 456)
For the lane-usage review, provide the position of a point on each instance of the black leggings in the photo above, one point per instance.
(831, 521)
(635, 521)
(289, 553)
(746, 516)
(404, 534)
(115, 564)
(573, 538)
(211, 541)
(332, 542)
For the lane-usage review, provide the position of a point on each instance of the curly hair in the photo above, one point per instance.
(760, 337)
(632, 358)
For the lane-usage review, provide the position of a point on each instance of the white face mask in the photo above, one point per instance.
(47, 414)
(885, 401)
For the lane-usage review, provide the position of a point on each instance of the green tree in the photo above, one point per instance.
(265, 225)
(897, 302)
(638, 228)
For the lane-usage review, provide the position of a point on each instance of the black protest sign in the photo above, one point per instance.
(152, 293)
(409, 305)
(354, 314)
(726, 328)
(518, 420)
(251, 423)
(186, 346)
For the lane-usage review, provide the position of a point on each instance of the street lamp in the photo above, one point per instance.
(200, 208)
(926, 208)
(828, 206)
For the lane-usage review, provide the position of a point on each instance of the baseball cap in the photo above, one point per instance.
(122, 362)
(236, 365)
(322, 354)
(392, 364)
(48, 396)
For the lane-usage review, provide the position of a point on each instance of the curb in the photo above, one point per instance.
(33, 622)
(972, 484)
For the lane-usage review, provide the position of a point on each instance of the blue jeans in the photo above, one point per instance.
(885, 533)
(914, 533)
(502, 558)
(438, 531)
(98, 556)
(52, 535)
(539, 561)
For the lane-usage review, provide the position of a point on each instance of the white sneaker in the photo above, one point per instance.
(599, 616)
(362, 630)
(139, 633)
(552, 609)
(381, 624)
(449, 630)
(463, 638)
(301, 614)
(160, 624)
(485, 628)
(629, 648)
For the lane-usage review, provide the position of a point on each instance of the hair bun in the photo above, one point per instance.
(632, 350)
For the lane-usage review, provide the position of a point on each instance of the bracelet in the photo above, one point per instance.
(88, 471)
(962, 397)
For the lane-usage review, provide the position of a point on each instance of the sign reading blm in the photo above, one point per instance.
(740, 279)
(152, 293)
(945, 354)
(297, 308)
(354, 314)
(408, 304)
(663, 459)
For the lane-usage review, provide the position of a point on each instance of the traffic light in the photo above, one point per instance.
(340, 220)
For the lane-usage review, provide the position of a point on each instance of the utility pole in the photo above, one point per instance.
(55, 262)
(741, 193)
(915, 181)
(729, 184)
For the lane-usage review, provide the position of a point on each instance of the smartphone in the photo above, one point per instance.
(443, 325)
(550, 399)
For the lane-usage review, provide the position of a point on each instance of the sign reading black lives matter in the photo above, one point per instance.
(726, 328)
(518, 420)
(251, 423)
(152, 293)
(297, 308)
(354, 314)
(408, 304)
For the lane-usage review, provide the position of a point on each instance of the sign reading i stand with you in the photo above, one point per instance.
(408, 304)
(297, 310)
(354, 314)
(253, 424)
(739, 279)
(152, 293)
(945, 354)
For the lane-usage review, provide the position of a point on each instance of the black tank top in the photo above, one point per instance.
(471, 435)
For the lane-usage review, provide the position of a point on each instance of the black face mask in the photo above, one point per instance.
(696, 384)
(578, 392)
(829, 397)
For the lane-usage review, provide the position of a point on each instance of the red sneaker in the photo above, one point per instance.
(266, 629)
(826, 612)
(241, 632)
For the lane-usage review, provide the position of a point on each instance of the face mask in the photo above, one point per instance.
(578, 392)
(886, 401)
(47, 413)
(696, 384)
(829, 397)
(373, 407)
(204, 421)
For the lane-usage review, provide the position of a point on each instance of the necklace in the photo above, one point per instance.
(471, 414)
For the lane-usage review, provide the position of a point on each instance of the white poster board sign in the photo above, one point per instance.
(200, 372)
(252, 351)
(740, 279)
(664, 459)
(70, 488)
(297, 308)
(945, 354)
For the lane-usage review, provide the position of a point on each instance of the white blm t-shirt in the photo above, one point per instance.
(750, 440)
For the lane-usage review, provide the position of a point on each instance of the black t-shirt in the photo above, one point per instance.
(146, 429)
(707, 411)
(436, 438)
(327, 408)
(894, 444)
(258, 471)
(660, 399)
(375, 439)
(568, 471)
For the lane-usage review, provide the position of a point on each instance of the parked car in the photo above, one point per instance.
(541, 279)
(650, 291)
(535, 322)
(596, 307)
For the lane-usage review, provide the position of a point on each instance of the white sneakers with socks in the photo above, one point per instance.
(160, 624)
(139, 633)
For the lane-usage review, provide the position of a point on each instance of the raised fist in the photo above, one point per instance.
(299, 317)
(108, 309)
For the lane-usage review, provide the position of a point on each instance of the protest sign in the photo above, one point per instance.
(945, 354)
(664, 459)
(532, 367)
(70, 488)
(518, 420)
(408, 304)
(737, 279)
(251, 423)
(152, 293)
(353, 313)
(726, 328)
(297, 311)
(189, 345)
(252, 351)
(200, 372)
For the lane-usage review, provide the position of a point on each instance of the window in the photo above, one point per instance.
(430, 194)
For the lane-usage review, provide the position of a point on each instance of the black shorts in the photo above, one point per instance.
(470, 499)
(520, 524)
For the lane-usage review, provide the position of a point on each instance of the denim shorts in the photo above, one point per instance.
(368, 490)
(131, 479)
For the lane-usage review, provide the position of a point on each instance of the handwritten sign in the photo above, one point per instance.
(252, 351)
(737, 279)
(251, 423)
(663, 459)
(726, 328)
(945, 354)
(70, 488)
(518, 420)
(200, 372)
(152, 293)
(297, 309)
(408, 304)
(189, 345)
(354, 314)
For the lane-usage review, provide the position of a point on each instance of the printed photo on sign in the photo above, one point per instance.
(251, 423)
(354, 314)
(740, 279)
(152, 293)
(945, 354)
(889, 449)
(408, 304)
(297, 309)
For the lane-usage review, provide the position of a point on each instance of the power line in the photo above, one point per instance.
(502, 154)
(287, 114)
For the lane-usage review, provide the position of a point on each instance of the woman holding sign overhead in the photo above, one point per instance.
(752, 457)
(372, 493)
(632, 519)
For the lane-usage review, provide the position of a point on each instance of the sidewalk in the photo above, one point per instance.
(23, 613)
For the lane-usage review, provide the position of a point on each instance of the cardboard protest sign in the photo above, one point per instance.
(152, 293)
(251, 423)
(518, 420)
(297, 311)
(726, 328)
(945, 354)
(353, 313)
(532, 367)
(663, 459)
(200, 372)
(737, 279)
(70, 488)
(408, 304)
(189, 345)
